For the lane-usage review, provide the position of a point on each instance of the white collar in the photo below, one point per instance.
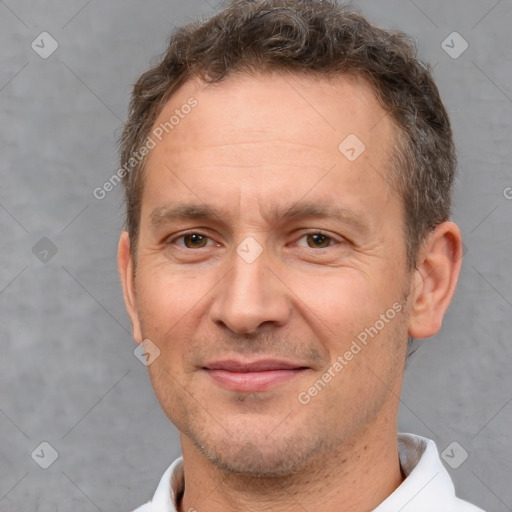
(426, 488)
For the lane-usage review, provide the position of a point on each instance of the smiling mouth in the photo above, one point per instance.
(252, 376)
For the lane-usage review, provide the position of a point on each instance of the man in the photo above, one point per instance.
(288, 171)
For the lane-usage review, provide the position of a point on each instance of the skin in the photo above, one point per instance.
(251, 143)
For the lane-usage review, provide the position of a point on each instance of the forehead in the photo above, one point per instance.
(290, 130)
(285, 108)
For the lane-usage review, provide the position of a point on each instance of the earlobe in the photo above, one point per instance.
(125, 265)
(435, 280)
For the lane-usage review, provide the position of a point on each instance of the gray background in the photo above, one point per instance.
(68, 375)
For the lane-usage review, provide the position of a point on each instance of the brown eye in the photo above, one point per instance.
(194, 241)
(318, 241)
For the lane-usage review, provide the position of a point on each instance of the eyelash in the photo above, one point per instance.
(311, 233)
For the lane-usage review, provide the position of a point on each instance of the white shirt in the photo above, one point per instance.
(426, 488)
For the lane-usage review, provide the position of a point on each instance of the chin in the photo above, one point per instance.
(260, 456)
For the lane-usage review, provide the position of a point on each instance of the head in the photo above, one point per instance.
(292, 204)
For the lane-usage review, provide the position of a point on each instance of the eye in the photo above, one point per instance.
(191, 241)
(317, 240)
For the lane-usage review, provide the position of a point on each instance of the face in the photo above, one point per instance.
(271, 269)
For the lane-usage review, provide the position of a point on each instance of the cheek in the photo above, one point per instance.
(166, 305)
(342, 300)
(167, 295)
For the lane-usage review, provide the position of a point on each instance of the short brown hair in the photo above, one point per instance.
(314, 37)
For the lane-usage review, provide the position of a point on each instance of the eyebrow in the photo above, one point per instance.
(273, 213)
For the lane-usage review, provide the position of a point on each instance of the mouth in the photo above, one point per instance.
(252, 376)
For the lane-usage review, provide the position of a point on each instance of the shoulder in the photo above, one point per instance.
(464, 506)
(171, 484)
(144, 508)
(428, 485)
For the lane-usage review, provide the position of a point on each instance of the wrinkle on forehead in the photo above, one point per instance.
(258, 140)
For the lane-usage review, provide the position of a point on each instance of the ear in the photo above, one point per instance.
(435, 279)
(125, 264)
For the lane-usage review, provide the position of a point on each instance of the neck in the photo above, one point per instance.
(355, 477)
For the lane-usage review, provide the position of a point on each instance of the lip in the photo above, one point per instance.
(252, 376)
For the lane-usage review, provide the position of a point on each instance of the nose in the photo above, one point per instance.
(251, 295)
